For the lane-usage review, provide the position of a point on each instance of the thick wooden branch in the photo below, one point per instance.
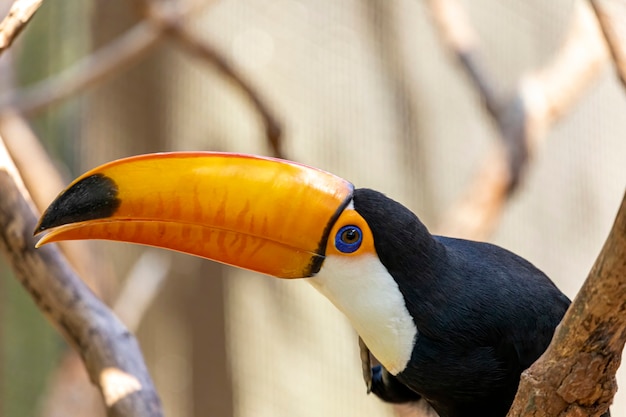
(576, 375)
(69, 392)
(19, 15)
(110, 352)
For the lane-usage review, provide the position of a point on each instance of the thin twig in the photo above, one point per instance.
(611, 15)
(126, 51)
(541, 98)
(111, 354)
(141, 286)
(19, 15)
(99, 66)
(200, 48)
(209, 53)
(457, 32)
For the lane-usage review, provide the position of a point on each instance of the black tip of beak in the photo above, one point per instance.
(93, 197)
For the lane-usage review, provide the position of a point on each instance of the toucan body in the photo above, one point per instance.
(450, 321)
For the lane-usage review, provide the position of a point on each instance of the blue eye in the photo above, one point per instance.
(348, 239)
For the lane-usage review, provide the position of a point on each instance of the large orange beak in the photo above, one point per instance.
(263, 214)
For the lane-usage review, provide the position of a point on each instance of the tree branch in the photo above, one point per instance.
(42, 179)
(141, 286)
(524, 118)
(576, 374)
(69, 393)
(97, 67)
(173, 26)
(611, 15)
(19, 15)
(207, 52)
(109, 350)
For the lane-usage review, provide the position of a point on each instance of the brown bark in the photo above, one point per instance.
(576, 375)
(43, 181)
(110, 352)
(19, 15)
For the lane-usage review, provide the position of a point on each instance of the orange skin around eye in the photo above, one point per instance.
(351, 218)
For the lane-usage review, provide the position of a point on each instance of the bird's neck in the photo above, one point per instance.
(371, 300)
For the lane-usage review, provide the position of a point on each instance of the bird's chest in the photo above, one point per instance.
(459, 382)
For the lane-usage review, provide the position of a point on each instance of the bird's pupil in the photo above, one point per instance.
(348, 239)
(350, 236)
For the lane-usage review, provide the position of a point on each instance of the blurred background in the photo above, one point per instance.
(368, 90)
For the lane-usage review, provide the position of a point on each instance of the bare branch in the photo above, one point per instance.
(205, 51)
(612, 14)
(551, 91)
(70, 392)
(7, 165)
(541, 98)
(477, 212)
(174, 28)
(141, 286)
(99, 66)
(19, 15)
(126, 51)
(110, 352)
(37, 170)
(457, 32)
(43, 181)
(576, 374)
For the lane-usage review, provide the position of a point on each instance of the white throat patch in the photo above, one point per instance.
(363, 290)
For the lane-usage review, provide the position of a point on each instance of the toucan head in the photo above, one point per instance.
(267, 215)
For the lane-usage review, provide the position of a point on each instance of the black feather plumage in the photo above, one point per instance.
(483, 314)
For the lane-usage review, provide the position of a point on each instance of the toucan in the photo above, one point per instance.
(450, 321)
